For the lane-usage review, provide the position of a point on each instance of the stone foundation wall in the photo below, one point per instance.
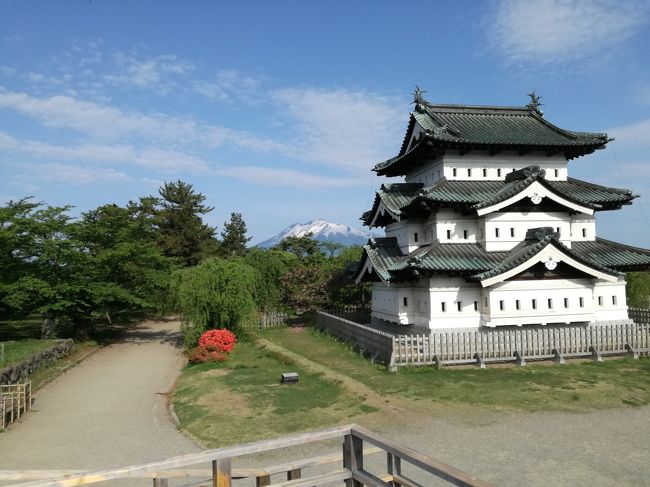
(18, 372)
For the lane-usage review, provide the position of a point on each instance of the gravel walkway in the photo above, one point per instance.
(108, 411)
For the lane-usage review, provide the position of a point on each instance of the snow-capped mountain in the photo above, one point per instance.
(322, 231)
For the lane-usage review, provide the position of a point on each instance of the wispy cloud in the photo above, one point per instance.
(635, 135)
(228, 85)
(343, 128)
(287, 178)
(159, 73)
(557, 31)
(75, 175)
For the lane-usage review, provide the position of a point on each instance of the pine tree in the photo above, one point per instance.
(233, 236)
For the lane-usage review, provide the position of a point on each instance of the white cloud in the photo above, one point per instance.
(229, 84)
(157, 72)
(287, 178)
(349, 129)
(76, 175)
(635, 135)
(556, 31)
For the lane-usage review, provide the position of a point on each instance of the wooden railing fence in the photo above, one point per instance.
(639, 315)
(355, 471)
(457, 347)
(15, 400)
(268, 319)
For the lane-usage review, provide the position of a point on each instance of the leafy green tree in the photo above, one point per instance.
(271, 266)
(331, 249)
(233, 236)
(182, 233)
(215, 293)
(638, 289)
(304, 288)
(305, 248)
(341, 289)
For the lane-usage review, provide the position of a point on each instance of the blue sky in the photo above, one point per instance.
(279, 110)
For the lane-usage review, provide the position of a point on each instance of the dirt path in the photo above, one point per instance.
(108, 411)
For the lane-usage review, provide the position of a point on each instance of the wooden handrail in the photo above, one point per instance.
(353, 472)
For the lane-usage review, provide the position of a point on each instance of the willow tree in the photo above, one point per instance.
(217, 293)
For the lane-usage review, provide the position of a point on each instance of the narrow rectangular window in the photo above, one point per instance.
(485, 173)
(485, 300)
(566, 302)
(480, 233)
(459, 305)
(498, 172)
(600, 300)
(584, 233)
(475, 305)
(406, 301)
(448, 234)
(534, 304)
(557, 173)
(512, 232)
(453, 172)
(465, 234)
(501, 305)
(582, 302)
(517, 304)
(415, 237)
(557, 229)
(469, 173)
(496, 232)
(550, 303)
(444, 307)
(614, 300)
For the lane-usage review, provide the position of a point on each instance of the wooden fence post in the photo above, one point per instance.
(221, 473)
(352, 458)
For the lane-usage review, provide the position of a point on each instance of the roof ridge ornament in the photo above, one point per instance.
(533, 171)
(418, 99)
(542, 233)
(535, 103)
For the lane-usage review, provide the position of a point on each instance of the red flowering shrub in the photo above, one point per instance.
(220, 340)
(214, 346)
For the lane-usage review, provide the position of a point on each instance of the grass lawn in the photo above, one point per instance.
(575, 386)
(15, 351)
(242, 399)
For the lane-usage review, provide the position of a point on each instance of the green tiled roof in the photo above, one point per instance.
(536, 240)
(614, 255)
(486, 128)
(401, 199)
(475, 264)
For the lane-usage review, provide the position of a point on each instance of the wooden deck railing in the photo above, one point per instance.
(354, 471)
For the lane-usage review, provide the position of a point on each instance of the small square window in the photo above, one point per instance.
(459, 305)
(614, 300)
(444, 307)
(501, 305)
(534, 303)
(485, 173)
(448, 234)
(406, 301)
(517, 304)
(475, 305)
(582, 302)
(550, 303)
(566, 302)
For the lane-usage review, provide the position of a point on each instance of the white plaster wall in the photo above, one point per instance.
(520, 223)
(451, 291)
(533, 297)
(609, 300)
(496, 167)
(457, 224)
(583, 228)
(406, 231)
